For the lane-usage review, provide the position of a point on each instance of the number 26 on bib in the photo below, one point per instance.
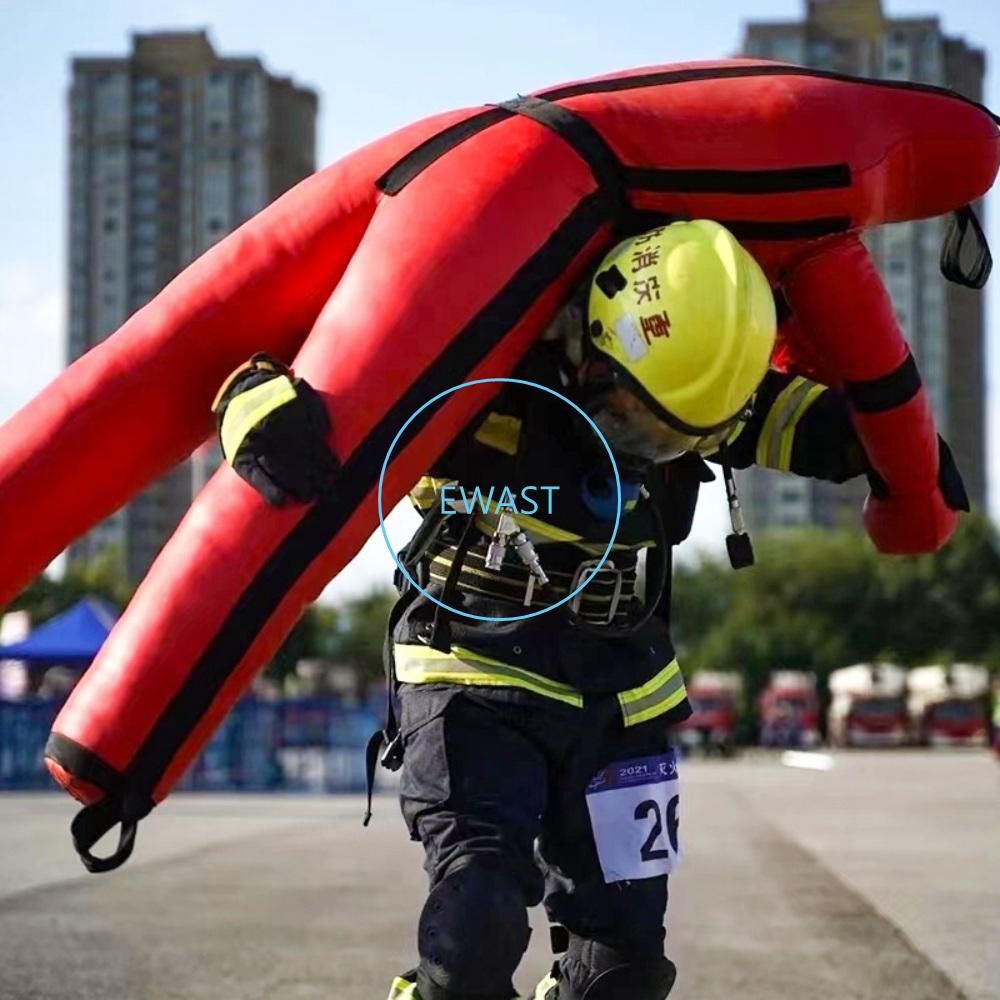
(633, 807)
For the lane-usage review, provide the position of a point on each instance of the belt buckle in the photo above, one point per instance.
(581, 571)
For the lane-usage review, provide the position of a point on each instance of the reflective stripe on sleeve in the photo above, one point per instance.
(403, 989)
(783, 416)
(658, 695)
(787, 439)
(249, 408)
(424, 665)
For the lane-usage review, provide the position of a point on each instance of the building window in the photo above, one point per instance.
(110, 225)
(145, 86)
(144, 204)
(145, 108)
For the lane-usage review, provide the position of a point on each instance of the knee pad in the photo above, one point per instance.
(473, 932)
(592, 971)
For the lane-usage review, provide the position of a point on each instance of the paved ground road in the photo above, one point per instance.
(877, 880)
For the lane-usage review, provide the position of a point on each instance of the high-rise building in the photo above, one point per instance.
(171, 148)
(942, 322)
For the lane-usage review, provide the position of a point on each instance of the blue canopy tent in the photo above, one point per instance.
(70, 639)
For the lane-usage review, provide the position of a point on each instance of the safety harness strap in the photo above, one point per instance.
(385, 745)
(440, 637)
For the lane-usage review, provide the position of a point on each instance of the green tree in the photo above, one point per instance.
(359, 633)
(819, 600)
(351, 633)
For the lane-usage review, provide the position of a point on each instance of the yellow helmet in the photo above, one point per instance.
(685, 320)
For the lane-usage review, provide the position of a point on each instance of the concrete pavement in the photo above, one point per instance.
(878, 879)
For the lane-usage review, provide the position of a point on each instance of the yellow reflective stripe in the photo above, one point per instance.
(659, 694)
(501, 432)
(787, 439)
(773, 414)
(424, 665)
(249, 408)
(784, 405)
(402, 989)
(425, 493)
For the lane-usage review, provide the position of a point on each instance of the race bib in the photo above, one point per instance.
(633, 812)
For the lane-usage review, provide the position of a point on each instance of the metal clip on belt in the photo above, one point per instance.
(595, 566)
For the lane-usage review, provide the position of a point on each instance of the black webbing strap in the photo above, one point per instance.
(963, 220)
(886, 392)
(93, 822)
(586, 142)
(440, 638)
(389, 737)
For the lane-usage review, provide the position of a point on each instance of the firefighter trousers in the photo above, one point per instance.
(493, 786)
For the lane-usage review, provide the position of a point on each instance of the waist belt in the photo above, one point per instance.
(417, 664)
(606, 599)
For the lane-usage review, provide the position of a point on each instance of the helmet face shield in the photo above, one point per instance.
(633, 430)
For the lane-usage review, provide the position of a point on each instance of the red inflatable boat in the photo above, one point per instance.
(429, 258)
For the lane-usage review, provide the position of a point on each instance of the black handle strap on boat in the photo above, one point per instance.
(975, 276)
(586, 142)
(93, 822)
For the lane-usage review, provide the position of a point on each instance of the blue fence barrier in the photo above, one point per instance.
(302, 744)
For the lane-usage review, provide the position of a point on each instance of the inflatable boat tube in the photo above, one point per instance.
(431, 258)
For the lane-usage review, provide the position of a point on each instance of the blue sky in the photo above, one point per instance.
(376, 67)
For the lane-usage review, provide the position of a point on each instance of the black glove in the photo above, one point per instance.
(273, 429)
(682, 479)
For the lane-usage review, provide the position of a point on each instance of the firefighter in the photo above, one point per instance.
(520, 741)
(532, 677)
